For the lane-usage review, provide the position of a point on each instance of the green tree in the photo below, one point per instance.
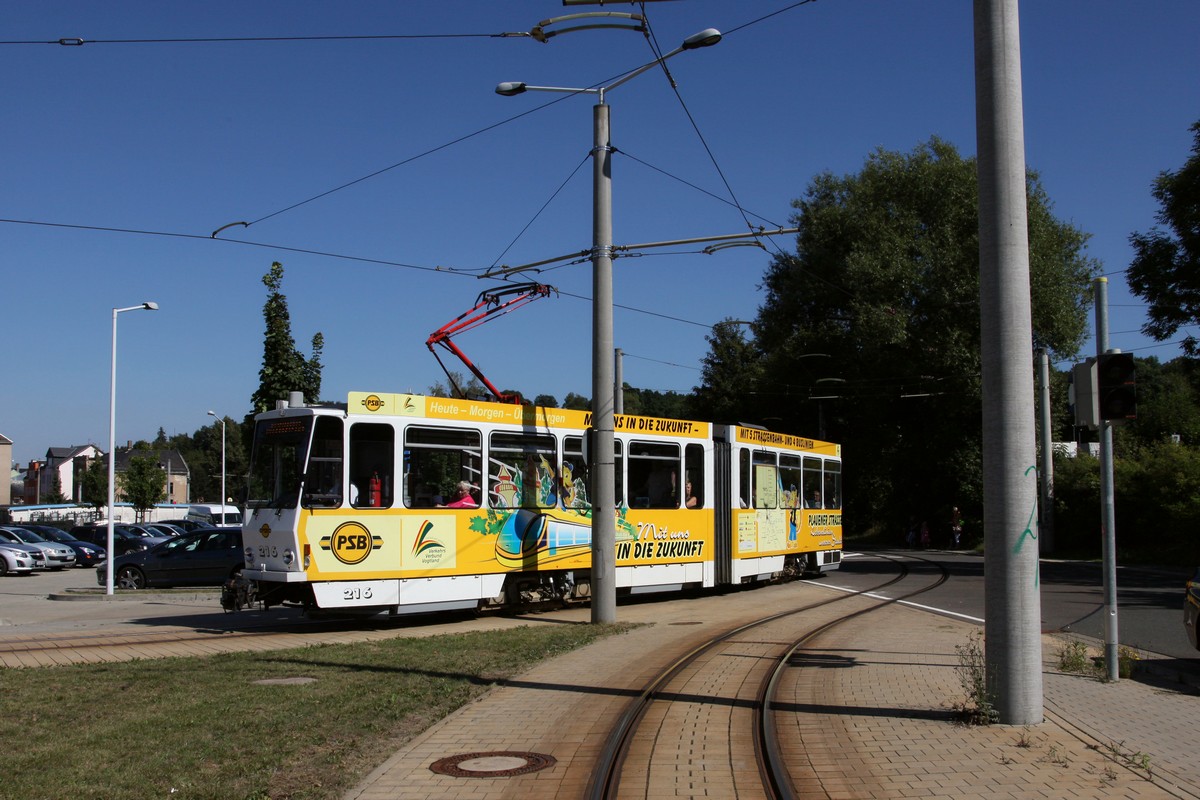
(546, 401)
(203, 456)
(885, 283)
(56, 495)
(284, 368)
(577, 402)
(1166, 268)
(143, 483)
(730, 375)
(470, 388)
(95, 484)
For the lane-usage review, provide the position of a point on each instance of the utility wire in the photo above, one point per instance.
(75, 41)
(699, 134)
(689, 184)
(545, 205)
(768, 16)
(321, 253)
(410, 159)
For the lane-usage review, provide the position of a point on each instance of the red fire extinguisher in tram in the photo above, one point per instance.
(375, 491)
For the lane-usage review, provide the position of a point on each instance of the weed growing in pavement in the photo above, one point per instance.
(1056, 758)
(1025, 739)
(978, 708)
(1136, 760)
(1073, 657)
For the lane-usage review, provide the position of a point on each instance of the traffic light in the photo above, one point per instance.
(1115, 386)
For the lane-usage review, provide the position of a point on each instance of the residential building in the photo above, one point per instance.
(178, 476)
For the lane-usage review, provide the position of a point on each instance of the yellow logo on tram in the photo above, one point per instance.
(351, 543)
(265, 530)
(372, 402)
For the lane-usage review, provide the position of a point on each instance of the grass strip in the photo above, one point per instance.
(186, 728)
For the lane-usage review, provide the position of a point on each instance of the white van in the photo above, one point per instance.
(215, 514)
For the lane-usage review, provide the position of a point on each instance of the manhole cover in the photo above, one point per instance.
(499, 764)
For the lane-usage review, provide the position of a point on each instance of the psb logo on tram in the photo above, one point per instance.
(351, 543)
(372, 402)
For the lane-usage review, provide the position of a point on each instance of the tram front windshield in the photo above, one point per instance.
(277, 466)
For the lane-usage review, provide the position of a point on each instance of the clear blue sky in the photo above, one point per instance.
(182, 138)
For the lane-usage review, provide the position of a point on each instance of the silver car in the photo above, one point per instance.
(18, 558)
(58, 556)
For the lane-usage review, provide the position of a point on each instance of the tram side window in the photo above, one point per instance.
(766, 481)
(833, 484)
(435, 460)
(744, 478)
(693, 471)
(521, 471)
(372, 449)
(790, 481)
(323, 480)
(573, 477)
(812, 483)
(654, 475)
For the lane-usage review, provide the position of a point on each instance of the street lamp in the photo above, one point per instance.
(222, 421)
(112, 440)
(603, 474)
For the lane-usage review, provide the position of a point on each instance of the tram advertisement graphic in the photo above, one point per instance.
(351, 543)
(429, 543)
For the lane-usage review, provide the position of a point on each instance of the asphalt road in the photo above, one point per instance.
(1149, 601)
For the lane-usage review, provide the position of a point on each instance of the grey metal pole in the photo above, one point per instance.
(112, 457)
(1108, 523)
(603, 471)
(619, 381)
(1012, 624)
(1046, 503)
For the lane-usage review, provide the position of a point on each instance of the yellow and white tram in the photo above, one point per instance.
(354, 505)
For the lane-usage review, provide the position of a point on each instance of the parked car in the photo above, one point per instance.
(18, 558)
(1191, 608)
(205, 557)
(186, 524)
(86, 553)
(58, 556)
(162, 528)
(126, 538)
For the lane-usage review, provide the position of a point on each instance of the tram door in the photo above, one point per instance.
(723, 524)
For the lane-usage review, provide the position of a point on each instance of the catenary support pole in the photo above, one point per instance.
(1012, 625)
(603, 473)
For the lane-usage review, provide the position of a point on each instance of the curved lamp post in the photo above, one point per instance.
(603, 477)
(112, 441)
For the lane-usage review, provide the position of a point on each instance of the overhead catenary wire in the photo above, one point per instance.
(78, 41)
(545, 205)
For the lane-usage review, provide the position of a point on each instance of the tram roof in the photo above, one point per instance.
(392, 404)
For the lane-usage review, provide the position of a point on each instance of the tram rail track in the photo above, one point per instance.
(666, 686)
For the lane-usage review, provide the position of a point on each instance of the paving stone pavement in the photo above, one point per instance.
(869, 712)
(874, 717)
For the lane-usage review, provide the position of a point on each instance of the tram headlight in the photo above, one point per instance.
(250, 556)
(288, 557)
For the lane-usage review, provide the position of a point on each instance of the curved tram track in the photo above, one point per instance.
(678, 699)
